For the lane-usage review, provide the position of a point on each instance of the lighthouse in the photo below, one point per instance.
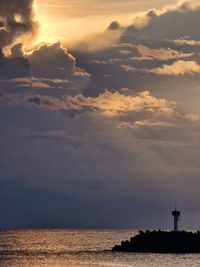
(176, 215)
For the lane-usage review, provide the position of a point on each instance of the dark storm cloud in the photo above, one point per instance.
(15, 65)
(16, 19)
(16, 50)
(50, 68)
(52, 61)
(116, 170)
(179, 21)
(172, 23)
(114, 26)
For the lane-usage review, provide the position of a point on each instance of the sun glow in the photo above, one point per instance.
(67, 20)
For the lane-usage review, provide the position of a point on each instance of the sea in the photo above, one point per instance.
(74, 248)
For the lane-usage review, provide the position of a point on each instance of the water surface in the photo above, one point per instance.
(73, 248)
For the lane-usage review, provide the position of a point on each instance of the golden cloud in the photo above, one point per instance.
(179, 67)
(159, 53)
(110, 104)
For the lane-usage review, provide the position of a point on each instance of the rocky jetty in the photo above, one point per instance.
(162, 242)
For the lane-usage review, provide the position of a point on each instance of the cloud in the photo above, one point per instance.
(54, 63)
(42, 149)
(177, 21)
(40, 84)
(49, 66)
(16, 50)
(16, 19)
(107, 103)
(150, 123)
(115, 25)
(51, 61)
(179, 67)
(187, 42)
(97, 42)
(140, 51)
(128, 68)
(161, 54)
(14, 66)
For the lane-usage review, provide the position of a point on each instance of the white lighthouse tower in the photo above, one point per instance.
(176, 213)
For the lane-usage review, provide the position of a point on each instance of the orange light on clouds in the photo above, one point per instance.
(63, 20)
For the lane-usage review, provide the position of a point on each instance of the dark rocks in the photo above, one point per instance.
(162, 242)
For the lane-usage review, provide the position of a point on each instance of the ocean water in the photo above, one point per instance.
(85, 248)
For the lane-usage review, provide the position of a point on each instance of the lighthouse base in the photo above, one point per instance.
(161, 242)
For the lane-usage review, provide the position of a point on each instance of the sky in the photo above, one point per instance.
(99, 113)
(79, 17)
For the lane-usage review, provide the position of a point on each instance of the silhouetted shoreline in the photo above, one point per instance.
(162, 242)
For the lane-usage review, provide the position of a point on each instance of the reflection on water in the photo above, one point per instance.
(83, 248)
